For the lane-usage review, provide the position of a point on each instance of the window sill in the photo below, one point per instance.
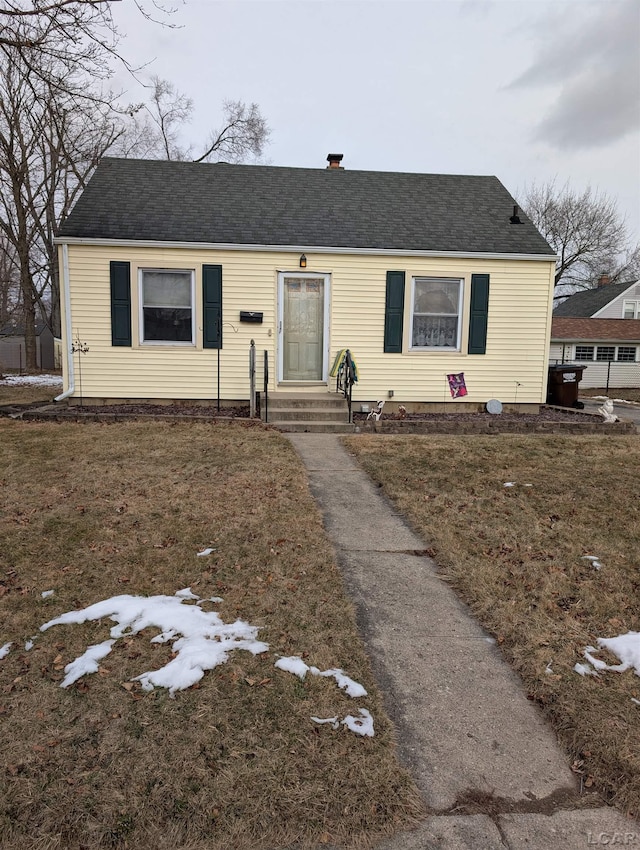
(440, 349)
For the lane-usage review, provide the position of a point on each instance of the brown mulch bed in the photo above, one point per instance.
(163, 410)
(547, 414)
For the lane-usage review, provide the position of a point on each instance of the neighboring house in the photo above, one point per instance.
(606, 301)
(12, 348)
(168, 266)
(609, 348)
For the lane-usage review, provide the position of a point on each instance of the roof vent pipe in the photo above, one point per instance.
(515, 218)
(334, 160)
(604, 279)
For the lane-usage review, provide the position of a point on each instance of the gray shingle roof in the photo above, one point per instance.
(266, 205)
(586, 303)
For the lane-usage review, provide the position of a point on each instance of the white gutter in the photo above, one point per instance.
(298, 249)
(67, 321)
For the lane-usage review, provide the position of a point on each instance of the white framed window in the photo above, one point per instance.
(626, 354)
(631, 309)
(585, 352)
(167, 305)
(606, 352)
(436, 310)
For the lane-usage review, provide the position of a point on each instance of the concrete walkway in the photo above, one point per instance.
(487, 765)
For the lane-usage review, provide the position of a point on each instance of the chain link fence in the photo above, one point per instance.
(607, 374)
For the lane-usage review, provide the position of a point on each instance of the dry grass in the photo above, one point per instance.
(97, 510)
(10, 394)
(515, 556)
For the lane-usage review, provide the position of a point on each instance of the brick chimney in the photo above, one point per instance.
(334, 160)
(604, 280)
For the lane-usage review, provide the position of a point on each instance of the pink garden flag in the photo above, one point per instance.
(457, 385)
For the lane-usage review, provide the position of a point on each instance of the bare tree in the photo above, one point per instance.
(50, 141)
(587, 232)
(244, 132)
(9, 283)
(78, 34)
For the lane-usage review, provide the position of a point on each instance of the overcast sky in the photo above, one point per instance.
(528, 90)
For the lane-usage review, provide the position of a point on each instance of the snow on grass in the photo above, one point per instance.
(294, 664)
(86, 663)
(625, 647)
(595, 561)
(206, 552)
(31, 381)
(360, 725)
(200, 641)
(353, 689)
(46, 594)
(4, 650)
(584, 670)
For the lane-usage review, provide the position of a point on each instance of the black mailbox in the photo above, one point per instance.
(251, 316)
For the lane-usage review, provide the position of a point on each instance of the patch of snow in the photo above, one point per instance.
(186, 593)
(335, 724)
(215, 599)
(4, 650)
(206, 551)
(28, 645)
(637, 701)
(86, 663)
(509, 484)
(360, 725)
(31, 381)
(353, 689)
(584, 670)
(625, 647)
(201, 640)
(46, 594)
(595, 561)
(293, 664)
(549, 669)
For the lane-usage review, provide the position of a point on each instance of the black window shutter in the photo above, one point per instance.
(479, 313)
(120, 277)
(394, 313)
(212, 306)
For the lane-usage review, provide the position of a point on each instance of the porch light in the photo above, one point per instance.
(303, 261)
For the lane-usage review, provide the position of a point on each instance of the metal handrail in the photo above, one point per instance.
(266, 386)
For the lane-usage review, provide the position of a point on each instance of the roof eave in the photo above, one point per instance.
(316, 249)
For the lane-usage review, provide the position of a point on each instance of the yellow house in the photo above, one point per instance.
(170, 269)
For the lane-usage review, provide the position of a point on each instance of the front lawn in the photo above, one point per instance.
(541, 537)
(92, 513)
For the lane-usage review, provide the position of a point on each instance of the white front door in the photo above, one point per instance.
(303, 336)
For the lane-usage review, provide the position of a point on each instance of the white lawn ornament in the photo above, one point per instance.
(377, 413)
(606, 411)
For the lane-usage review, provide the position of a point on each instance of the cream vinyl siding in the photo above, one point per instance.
(517, 339)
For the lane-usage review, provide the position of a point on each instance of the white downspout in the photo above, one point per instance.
(67, 321)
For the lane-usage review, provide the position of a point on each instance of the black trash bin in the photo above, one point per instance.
(562, 385)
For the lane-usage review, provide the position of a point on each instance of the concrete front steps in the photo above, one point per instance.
(313, 414)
